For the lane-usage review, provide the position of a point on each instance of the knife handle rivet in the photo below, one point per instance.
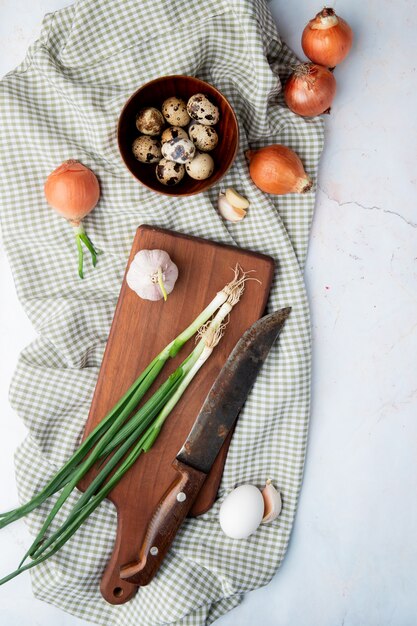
(181, 497)
(154, 550)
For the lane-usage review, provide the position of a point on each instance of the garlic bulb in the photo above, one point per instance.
(229, 212)
(272, 502)
(152, 274)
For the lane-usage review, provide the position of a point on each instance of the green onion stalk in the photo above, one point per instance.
(142, 438)
(81, 238)
(125, 439)
(124, 407)
(163, 400)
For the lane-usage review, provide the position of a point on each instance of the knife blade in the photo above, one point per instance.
(199, 451)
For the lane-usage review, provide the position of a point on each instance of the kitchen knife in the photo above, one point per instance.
(196, 457)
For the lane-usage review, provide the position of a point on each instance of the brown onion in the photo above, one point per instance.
(73, 191)
(327, 38)
(310, 90)
(278, 170)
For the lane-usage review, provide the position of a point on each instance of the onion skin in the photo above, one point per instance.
(72, 190)
(310, 90)
(278, 170)
(327, 39)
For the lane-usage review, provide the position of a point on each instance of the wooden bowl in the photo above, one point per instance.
(153, 94)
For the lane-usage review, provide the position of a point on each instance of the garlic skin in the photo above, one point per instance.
(229, 212)
(272, 502)
(147, 269)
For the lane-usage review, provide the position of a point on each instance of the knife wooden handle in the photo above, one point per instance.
(166, 520)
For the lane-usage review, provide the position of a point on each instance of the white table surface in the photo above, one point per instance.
(352, 559)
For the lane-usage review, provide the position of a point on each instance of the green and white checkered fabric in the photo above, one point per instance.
(63, 102)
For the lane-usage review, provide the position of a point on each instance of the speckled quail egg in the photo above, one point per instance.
(201, 167)
(150, 121)
(147, 149)
(169, 173)
(172, 133)
(202, 110)
(178, 150)
(174, 111)
(203, 137)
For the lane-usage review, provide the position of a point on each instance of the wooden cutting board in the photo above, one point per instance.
(140, 330)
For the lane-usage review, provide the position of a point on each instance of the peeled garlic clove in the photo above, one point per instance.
(236, 200)
(272, 502)
(229, 212)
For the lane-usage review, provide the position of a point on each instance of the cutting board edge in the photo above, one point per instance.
(261, 255)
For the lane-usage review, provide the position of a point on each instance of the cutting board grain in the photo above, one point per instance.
(140, 330)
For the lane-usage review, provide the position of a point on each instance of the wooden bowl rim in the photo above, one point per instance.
(171, 77)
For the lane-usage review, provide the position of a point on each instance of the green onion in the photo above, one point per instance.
(122, 409)
(183, 375)
(72, 525)
(119, 413)
(210, 338)
(125, 439)
(137, 423)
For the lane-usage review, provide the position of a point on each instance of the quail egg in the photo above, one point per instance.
(169, 173)
(147, 149)
(150, 121)
(172, 133)
(175, 111)
(201, 167)
(202, 110)
(178, 150)
(203, 137)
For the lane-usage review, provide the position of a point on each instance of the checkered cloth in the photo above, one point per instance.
(63, 102)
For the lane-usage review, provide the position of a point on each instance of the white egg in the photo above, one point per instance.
(241, 512)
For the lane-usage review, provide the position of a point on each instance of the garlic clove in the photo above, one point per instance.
(236, 200)
(229, 212)
(272, 502)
